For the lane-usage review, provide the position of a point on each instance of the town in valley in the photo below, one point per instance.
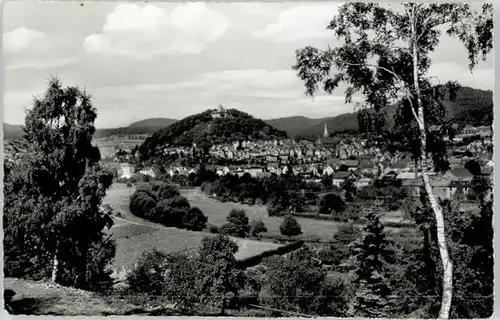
(248, 159)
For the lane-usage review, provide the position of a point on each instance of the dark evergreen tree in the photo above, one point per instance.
(290, 227)
(372, 294)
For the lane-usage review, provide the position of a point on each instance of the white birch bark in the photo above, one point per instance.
(55, 267)
(447, 284)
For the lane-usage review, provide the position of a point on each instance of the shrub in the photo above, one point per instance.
(165, 214)
(194, 219)
(346, 234)
(290, 227)
(213, 229)
(147, 275)
(165, 190)
(275, 212)
(237, 225)
(257, 228)
(330, 255)
(331, 203)
(178, 202)
(141, 203)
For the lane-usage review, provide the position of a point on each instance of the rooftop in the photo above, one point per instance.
(341, 174)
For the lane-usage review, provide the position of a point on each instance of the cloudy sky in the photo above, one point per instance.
(141, 60)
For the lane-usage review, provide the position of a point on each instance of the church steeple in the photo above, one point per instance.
(325, 132)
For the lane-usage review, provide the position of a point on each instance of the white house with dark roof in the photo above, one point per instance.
(340, 177)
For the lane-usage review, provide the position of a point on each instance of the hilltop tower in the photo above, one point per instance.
(219, 112)
(325, 132)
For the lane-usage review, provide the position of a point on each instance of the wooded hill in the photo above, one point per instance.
(206, 130)
(471, 106)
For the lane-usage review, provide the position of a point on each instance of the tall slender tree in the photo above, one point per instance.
(53, 193)
(384, 55)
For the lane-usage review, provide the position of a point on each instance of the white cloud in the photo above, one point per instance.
(22, 39)
(146, 31)
(306, 21)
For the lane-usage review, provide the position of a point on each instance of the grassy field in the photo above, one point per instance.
(217, 212)
(134, 235)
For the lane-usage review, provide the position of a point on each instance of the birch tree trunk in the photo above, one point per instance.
(447, 293)
(55, 267)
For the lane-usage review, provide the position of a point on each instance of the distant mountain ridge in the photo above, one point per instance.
(157, 123)
(12, 131)
(472, 106)
(294, 125)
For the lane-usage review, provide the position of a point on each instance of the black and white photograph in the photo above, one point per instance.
(248, 159)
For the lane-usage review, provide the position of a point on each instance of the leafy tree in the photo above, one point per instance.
(257, 227)
(470, 237)
(385, 56)
(180, 284)
(350, 190)
(331, 203)
(164, 190)
(473, 166)
(147, 274)
(298, 284)
(290, 227)
(141, 203)
(238, 224)
(221, 280)
(52, 222)
(178, 202)
(167, 215)
(194, 219)
(371, 299)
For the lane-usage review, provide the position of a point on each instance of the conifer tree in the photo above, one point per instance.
(371, 298)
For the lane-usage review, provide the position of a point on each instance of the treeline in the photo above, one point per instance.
(287, 194)
(161, 202)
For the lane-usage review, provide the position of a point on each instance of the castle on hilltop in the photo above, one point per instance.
(220, 112)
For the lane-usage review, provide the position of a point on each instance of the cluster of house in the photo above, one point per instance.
(445, 185)
(485, 132)
(110, 148)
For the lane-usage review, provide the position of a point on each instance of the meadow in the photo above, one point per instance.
(134, 235)
(217, 211)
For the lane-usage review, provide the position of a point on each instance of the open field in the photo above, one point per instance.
(134, 235)
(217, 212)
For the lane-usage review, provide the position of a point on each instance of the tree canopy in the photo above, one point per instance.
(52, 220)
